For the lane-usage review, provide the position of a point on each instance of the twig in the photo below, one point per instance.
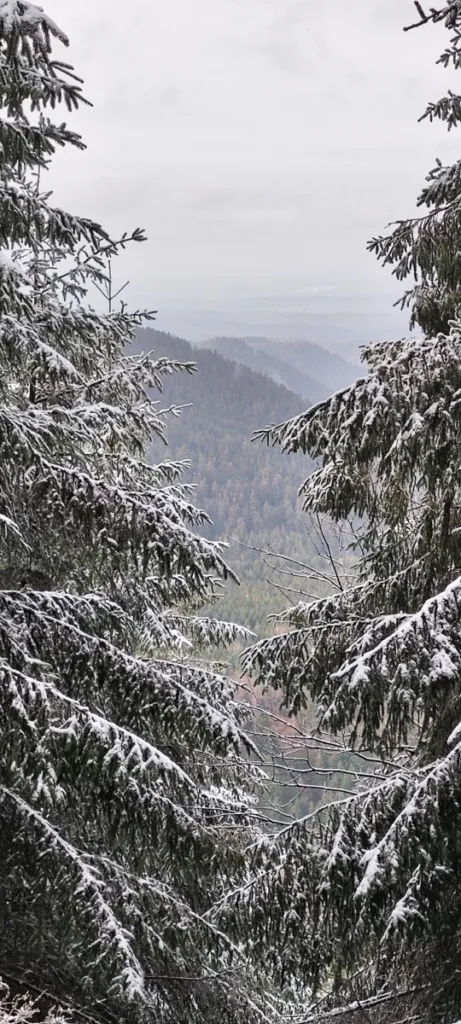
(433, 16)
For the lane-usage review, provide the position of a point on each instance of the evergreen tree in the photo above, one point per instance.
(124, 780)
(367, 892)
(428, 247)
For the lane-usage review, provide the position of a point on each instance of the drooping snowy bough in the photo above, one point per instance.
(124, 776)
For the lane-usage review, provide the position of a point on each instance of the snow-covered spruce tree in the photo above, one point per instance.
(428, 247)
(366, 893)
(123, 767)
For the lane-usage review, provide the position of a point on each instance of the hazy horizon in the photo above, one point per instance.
(260, 143)
(337, 320)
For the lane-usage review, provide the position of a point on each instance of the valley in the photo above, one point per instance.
(249, 490)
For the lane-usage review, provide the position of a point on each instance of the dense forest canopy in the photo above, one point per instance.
(250, 496)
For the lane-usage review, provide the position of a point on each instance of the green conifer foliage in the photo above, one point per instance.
(366, 893)
(427, 248)
(124, 777)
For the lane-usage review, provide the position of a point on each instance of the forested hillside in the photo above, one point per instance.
(247, 490)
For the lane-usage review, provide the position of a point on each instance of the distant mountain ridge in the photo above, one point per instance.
(332, 370)
(249, 490)
(340, 319)
(305, 368)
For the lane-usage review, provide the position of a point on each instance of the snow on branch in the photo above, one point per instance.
(63, 628)
(112, 938)
(19, 17)
(410, 673)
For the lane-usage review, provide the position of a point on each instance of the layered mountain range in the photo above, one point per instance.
(249, 491)
(302, 366)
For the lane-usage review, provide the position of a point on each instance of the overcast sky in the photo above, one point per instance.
(259, 142)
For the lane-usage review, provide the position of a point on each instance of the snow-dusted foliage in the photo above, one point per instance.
(366, 892)
(124, 782)
(28, 1011)
(427, 247)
